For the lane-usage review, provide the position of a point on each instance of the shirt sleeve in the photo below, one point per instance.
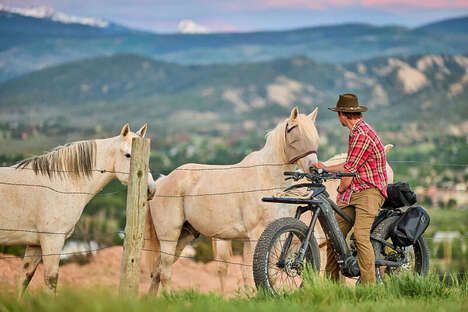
(358, 152)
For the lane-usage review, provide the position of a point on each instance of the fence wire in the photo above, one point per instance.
(218, 168)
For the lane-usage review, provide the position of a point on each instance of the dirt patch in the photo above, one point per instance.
(104, 271)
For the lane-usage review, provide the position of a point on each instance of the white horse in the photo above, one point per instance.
(222, 249)
(42, 198)
(225, 201)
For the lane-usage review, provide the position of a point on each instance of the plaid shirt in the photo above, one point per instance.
(366, 157)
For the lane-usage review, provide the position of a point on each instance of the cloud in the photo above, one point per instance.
(187, 26)
(375, 4)
(427, 4)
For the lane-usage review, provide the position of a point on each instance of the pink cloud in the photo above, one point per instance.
(428, 4)
(326, 4)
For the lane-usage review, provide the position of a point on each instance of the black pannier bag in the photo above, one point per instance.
(410, 226)
(399, 195)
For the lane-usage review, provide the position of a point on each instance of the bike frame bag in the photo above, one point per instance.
(410, 226)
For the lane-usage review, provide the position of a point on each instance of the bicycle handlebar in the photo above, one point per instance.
(317, 174)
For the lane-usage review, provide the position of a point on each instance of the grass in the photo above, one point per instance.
(404, 293)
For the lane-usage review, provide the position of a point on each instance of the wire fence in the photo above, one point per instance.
(217, 168)
(121, 235)
(217, 260)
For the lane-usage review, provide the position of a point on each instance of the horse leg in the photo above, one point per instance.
(222, 251)
(185, 238)
(51, 246)
(247, 259)
(168, 240)
(32, 257)
(168, 256)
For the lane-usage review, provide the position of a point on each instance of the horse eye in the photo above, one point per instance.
(128, 155)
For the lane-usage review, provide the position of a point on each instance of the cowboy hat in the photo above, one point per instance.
(348, 103)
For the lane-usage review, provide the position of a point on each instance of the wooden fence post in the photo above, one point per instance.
(136, 211)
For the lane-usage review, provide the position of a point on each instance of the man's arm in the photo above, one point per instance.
(345, 181)
(357, 156)
(334, 168)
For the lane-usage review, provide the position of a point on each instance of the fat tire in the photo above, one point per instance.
(265, 243)
(421, 249)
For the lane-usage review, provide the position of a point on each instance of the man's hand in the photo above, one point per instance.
(320, 165)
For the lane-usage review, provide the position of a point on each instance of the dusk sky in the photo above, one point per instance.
(249, 15)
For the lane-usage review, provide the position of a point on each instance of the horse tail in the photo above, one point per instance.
(151, 244)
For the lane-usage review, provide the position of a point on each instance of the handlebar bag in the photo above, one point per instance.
(410, 226)
(399, 195)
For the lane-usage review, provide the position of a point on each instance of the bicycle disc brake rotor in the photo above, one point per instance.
(293, 269)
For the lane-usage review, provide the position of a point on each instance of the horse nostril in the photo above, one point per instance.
(128, 155)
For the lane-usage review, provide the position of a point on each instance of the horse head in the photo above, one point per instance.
(123, 154)
(301, 139)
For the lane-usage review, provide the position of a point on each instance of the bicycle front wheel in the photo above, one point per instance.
(277, 274)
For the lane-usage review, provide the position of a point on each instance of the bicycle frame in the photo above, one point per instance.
(323, 209)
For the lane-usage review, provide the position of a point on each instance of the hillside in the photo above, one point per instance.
(29, 43)
(450, 26)
(218, 113)
(420, 85)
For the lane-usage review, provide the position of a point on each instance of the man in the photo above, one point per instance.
(362, 196)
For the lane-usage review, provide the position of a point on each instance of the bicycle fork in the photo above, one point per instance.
(297, 264)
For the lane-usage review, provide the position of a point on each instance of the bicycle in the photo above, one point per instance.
(288, 245)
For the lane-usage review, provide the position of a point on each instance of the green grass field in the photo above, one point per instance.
(405, 293)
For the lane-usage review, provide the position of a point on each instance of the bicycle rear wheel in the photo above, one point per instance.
(273, 275)
(416, 256)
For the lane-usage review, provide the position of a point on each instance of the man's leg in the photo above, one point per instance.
(332, 269)
(367, 203)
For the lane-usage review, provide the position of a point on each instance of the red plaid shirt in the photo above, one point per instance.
(366, 157)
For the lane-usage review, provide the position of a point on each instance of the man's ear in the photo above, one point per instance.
(142, 131)
(125, 130)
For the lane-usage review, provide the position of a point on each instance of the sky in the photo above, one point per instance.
(253, 15)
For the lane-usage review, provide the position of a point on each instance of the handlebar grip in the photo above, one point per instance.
(289, 173)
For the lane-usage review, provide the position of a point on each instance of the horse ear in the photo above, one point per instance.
(142, 131)
(125, 130)
(294, 113)
(313, 115)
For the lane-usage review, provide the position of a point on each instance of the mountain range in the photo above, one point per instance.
(109, 89)
(210, 97)
(30, 43)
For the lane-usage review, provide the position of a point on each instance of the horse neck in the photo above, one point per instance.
(102, 173)
(273, 160)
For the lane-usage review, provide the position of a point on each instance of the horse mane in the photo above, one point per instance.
(74, 159)
(276, 140)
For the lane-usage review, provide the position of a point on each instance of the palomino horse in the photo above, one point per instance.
(225, 201)
(42, 198)
(222, 249)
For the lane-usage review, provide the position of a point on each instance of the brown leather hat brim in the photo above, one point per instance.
(358, 109)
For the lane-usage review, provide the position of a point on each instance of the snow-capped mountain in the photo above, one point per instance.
(46, 12)
(190, 27)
